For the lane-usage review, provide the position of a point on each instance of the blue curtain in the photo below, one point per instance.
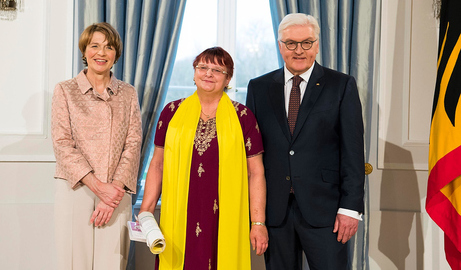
(349, 32)
(150, 33)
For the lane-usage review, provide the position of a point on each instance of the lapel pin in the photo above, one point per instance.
(318, 83)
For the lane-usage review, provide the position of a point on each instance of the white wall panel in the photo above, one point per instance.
(35, 54)
(405, 240)
(423, 68)
(407, 82)
(27, 237)
(23, 72)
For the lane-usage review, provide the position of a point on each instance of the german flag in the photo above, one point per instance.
(443, 202)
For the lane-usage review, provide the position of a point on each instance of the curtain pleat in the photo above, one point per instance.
(349, 31)
(150, 33)
(131, 40)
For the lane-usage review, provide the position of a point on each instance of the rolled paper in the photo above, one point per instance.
(154, 237)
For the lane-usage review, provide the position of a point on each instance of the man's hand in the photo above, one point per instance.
(346, 227)
(259, 238)
(102, 214)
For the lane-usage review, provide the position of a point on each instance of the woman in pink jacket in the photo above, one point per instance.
(96, 130)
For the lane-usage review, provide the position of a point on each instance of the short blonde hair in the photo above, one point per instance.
(298, 19)
(112, 37)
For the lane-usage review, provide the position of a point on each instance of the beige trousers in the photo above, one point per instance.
(79, 244)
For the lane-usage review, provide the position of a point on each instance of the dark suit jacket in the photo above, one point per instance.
(324, 159)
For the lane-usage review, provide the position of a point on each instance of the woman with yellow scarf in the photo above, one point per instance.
(207, 165)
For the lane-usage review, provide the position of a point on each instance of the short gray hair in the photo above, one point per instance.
(298, 19)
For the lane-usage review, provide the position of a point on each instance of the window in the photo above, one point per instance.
(256, 52)
(198, 31)
(233, 25)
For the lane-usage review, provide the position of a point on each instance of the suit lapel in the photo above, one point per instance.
(277, 98)
(313, 90)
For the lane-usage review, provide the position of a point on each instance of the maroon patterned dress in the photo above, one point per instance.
(203, 202)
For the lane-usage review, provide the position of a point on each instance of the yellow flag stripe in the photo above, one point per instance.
(444, 136)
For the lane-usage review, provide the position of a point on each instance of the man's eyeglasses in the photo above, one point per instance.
(214, 71)
(292, 45)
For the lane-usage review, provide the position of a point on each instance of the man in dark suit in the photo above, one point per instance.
(310, 118)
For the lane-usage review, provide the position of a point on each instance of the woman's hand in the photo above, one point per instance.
(259, 238)
(110, 194)
(102, 214)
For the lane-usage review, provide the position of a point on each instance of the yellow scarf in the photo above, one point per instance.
(233, 230)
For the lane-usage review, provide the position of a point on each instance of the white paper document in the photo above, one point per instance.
(147, 230)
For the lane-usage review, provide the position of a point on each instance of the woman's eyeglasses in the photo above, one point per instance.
(214, 71)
